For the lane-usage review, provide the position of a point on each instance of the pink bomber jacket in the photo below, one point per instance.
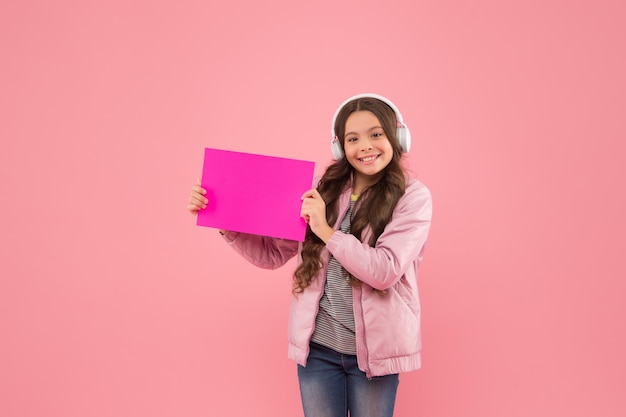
(387, 324)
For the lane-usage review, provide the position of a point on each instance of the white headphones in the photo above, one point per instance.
(402, 131)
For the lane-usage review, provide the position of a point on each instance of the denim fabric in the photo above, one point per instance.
(331, 385)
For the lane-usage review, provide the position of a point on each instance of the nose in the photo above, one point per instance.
(366, 145)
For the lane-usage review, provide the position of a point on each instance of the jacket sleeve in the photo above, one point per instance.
(262, 251)
(398, 247)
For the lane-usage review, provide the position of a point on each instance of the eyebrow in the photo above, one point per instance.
(369, 130)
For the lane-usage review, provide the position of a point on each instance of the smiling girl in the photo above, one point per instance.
(355, 316)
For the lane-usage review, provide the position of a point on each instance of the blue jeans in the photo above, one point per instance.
(332, 384)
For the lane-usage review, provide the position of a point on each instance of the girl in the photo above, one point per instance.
(355, 317)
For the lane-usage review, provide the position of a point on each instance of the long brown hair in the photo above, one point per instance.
(376, 203)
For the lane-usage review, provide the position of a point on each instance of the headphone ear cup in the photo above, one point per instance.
(404, 137)
(335, 148)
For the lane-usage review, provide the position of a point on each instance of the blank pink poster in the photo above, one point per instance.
(255, 193)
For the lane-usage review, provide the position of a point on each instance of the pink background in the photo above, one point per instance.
(114, 303)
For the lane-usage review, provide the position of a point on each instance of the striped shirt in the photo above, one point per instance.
(334, 324)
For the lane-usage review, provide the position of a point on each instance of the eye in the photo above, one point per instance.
(378, 134)
(351, 139)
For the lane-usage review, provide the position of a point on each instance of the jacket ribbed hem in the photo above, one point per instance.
(379, 367)
(297, 354)
(395, 365)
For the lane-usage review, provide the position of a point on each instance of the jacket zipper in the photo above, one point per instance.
(361, 347)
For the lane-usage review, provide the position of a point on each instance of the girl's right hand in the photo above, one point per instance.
(197, 201)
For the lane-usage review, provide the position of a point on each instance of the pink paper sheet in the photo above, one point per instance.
(254, 193)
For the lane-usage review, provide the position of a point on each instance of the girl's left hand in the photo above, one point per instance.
(314, 212)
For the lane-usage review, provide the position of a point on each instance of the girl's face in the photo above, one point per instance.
(367, 148)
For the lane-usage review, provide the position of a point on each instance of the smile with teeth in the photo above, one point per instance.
(368, 158)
